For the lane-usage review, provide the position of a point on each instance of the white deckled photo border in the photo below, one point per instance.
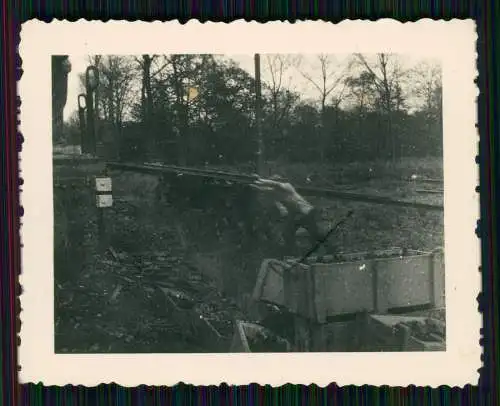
(453, 42)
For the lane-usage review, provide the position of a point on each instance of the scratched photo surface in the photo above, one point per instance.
(210, 203)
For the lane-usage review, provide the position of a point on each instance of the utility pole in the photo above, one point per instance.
(258, 116)
(91, 83)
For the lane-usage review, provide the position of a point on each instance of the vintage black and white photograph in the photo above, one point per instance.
(250, 202)
(253, 203)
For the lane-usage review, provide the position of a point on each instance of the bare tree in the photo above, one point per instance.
(150, 66)
(146, 94)
(428, 89)
(116, 77)
(386, 74)
(280, 85)
(95, 60)
(361, 92)
(331, 78)
(174, 75)
(328, 83)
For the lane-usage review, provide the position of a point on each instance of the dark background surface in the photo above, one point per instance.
(486, 15)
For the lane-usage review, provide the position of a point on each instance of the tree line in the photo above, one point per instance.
(200, 109)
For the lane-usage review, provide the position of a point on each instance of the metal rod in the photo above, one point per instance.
(247, 179)
(321, 241)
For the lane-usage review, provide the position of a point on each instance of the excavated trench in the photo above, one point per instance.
(174, 275)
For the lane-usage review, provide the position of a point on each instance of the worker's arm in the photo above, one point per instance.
(284, 195)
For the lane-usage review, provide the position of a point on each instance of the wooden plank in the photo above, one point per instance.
(325, 290)
(261, 280)
(270, 283)
(404, 282)
(303, 304)
(338, 336)
(431, 191)
(438, 280)
(343, 288)
(358, 256)
(289, 288)
(247, 336)
(429, 180)
(239, 343)
(378, 302)
(378, 284)
(298, 290)
(387, 334)
(414, 344)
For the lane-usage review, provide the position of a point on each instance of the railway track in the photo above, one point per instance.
(230, 178)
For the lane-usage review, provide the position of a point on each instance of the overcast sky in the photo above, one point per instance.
(308, 65)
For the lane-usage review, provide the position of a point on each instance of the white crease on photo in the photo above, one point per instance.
(452, 42)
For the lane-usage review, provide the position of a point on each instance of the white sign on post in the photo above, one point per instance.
(103, 184)
(104, 201)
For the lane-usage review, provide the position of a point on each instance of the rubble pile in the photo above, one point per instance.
(144, 293)
(428, 329)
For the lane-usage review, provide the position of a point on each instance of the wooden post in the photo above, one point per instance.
(101, 232)
(104, 199)
(254, 225)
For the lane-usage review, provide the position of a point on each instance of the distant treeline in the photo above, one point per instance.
(196, 109)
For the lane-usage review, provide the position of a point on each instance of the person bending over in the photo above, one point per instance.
(296, 210)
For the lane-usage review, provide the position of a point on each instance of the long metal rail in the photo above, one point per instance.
(247, 179)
